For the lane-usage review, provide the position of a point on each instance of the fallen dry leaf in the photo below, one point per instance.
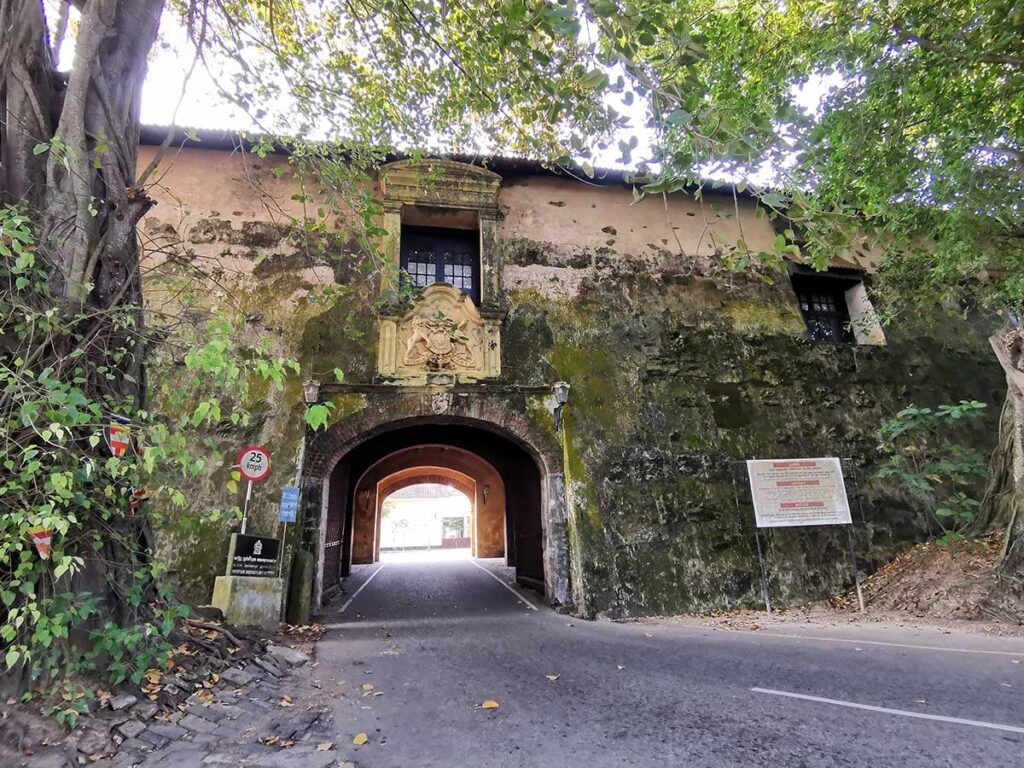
(552, 678)
(287, 702)
(204, 696)
(490, 704)
(620, 667)
(367, 687)
(648, 634)
(327, 746)
(360, 739)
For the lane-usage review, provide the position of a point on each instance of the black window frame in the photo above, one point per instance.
(821, 297)
(433, 240)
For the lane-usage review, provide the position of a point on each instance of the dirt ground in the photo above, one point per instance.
(927, 586)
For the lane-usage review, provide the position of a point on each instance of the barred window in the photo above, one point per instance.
(450, 256)
(823, 303)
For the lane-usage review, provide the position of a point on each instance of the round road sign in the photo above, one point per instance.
(254, 463)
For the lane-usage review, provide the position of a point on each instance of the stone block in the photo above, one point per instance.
(290, 655)
(131, 728)
(95, 742)
(236, 676)
(209, 712)
(198, 724)
(153, 739)
(169, 731)
(145, 710)
(123, 701)
(270, 666)
(249, 600)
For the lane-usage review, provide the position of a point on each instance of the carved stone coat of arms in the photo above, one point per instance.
(442, 332)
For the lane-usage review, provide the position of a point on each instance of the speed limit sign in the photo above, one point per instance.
(254, 463)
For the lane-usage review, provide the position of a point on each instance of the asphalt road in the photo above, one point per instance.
(436, 640)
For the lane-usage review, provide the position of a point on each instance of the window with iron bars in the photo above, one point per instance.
(823, 304)
(431, 255)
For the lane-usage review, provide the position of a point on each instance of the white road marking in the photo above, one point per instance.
(1016, 654)
(505, 584)
(887, 711)
(362, 586)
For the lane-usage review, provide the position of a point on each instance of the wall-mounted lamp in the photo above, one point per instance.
(311, 391)
(487, 490)
(561, 392)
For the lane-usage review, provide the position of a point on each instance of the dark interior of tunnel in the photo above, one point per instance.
(518, 470)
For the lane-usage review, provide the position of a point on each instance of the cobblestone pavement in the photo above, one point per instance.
(263, 716)
(266, 714)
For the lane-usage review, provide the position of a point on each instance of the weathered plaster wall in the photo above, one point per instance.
(225, 215)
(676, 366)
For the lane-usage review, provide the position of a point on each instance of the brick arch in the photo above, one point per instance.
(385, 409)
(325, 449)
(456, 467)
(465, 484)
(426, 476)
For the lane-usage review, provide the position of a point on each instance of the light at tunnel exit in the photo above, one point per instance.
(425, 522)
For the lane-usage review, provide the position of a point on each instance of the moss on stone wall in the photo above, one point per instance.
(673, 379)
(676, 370)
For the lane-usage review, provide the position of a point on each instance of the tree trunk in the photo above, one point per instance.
(1004, 502)
(68, 156)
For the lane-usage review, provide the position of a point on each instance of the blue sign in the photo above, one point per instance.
(289, 504)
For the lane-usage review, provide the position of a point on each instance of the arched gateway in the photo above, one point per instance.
(439, 405)
(509, 468)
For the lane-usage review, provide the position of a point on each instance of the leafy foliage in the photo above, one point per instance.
(415, 75)
(920, 454)
(99, 603)
(915, 146)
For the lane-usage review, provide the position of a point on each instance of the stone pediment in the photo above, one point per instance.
(443, 332)
(440, 182)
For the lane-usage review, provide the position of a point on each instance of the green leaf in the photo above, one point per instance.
(678, 117)
(318, 416)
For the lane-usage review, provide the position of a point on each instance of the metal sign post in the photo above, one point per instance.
(797, 493)
(764, 572)
(287, 513)
(853, 564)
(254, 465)
(245, 508)
(757, 539)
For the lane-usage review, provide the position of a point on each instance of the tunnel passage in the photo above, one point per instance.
(499, 477)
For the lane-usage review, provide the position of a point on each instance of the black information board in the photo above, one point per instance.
(254, 556)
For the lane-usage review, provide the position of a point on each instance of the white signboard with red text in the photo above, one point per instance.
(792, 492)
